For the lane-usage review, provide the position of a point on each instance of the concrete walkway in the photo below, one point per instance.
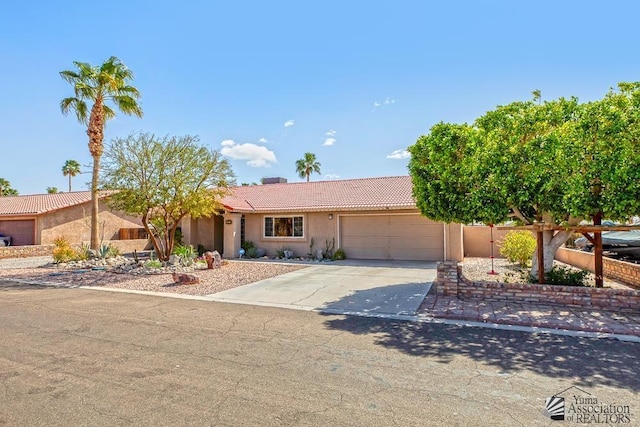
(364, 287)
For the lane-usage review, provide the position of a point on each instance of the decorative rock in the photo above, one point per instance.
(287, 253)
(260, 252)
(185, 279)
(319, 255)
(213, 259)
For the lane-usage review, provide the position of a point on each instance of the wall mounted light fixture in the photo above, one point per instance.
(228, 221)
(330, 216)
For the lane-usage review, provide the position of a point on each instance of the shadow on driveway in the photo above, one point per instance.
(401, 299)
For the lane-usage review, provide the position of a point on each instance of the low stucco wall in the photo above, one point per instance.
(626, 272)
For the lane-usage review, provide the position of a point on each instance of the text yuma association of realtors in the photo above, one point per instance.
(589, 410)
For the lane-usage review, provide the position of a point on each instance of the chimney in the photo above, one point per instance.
(276, 180)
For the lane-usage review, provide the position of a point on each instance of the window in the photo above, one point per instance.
(283, 226)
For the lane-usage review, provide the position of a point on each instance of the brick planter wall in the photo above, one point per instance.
(449, 282)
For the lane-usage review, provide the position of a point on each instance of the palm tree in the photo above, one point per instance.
(71, 168)
(5, 188)
(98, 85)
(307, 165)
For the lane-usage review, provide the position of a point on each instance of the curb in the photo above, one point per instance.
(389, 316)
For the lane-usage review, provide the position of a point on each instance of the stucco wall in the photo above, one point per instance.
(477, 241)
(623, 271)
(73, 223)
(318, 226)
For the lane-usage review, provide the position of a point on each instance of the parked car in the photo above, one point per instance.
(5, 240)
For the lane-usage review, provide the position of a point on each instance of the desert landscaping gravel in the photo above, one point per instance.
(478, 269)
(230, 275)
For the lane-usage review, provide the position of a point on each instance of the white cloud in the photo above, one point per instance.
(289, 123)
(387, 101)
(256, 156)
(263, 140)
(329, 141)
(399, 154)
(332, 176)
(331, 133)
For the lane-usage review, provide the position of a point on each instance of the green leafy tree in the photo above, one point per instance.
(559, 162)
(99, 86)
(71, 168)
(6, 189)
(162, 180)
(52, 190)
(307, 165)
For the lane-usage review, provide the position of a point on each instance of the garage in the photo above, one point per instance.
(22, 232)
(407, 237)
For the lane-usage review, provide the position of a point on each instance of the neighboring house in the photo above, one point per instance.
(40, 219)
(370, 218)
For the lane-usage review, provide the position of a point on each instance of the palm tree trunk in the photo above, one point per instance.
(69, 183)
(96, 136)
(95, 241)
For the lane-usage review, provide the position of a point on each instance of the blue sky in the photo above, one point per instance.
(355, 83)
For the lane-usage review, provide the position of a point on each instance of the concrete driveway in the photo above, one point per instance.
(365, 287)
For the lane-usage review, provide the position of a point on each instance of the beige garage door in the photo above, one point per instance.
(395, 237)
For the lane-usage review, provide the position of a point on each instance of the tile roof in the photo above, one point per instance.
(41, 203)
(350, 194)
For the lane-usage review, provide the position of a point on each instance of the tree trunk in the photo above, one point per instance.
(95, 241)
(96, 136)
(551, 243)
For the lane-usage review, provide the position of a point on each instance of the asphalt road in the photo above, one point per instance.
(72, 357)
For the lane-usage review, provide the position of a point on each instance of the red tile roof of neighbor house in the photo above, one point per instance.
(41, 203)
(393, 192)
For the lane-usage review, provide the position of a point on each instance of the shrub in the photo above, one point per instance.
(83, 252)
(63, 252)
(252, 252)
(153, 263)
(202, 250)
(566, 276)
(186, 255)
(518, 246)
(339, 254)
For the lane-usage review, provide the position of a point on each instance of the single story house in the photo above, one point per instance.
(369, 218)
(40, 219)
